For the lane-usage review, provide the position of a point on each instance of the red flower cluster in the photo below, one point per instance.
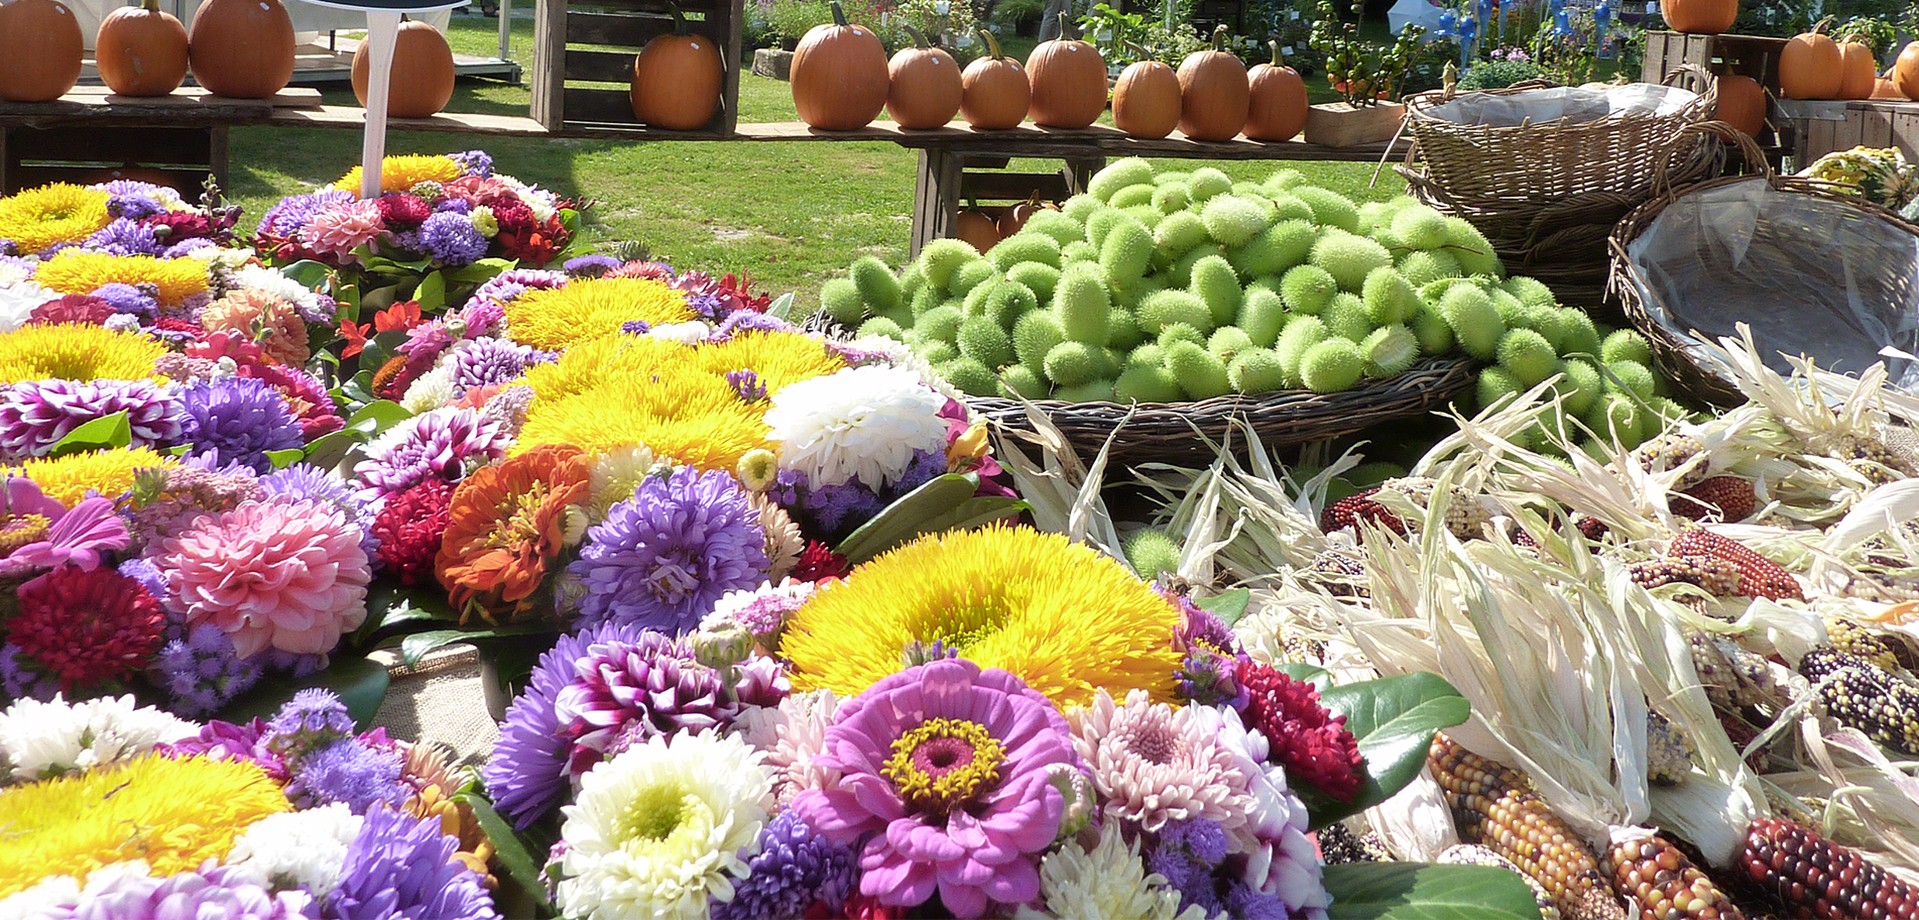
(305, 396)
(89, 629)
(818, 563)
(399, 317)
(71, 308)
(1307, 739)
(409, 527)
(401, 211)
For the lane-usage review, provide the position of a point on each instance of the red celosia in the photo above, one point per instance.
(409, 527)
(89, 629)
(818, 563)
(400, 211)
(72, 308)
(1307, 739)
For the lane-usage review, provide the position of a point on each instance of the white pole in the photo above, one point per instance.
(382, 31)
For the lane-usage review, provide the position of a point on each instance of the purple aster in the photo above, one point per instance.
(229, 741)
(238, 419)
(663, 557)
(624, 692)
(19, 679)
(311, 483)
(976, 751)
(451, 240)
(834, 511)
(133, 203)
(454, 206)
(590, 266)
(141, 301)
(230, 893)
(311, 720)
(439, 443)
(749, 321)
(746, 385)
(149, 576)
(187, 246)
(793, 869)
(489, 361)
(125, 237)
(636, 327)
(352, 773)
(473, 162)
(294, 211)
(512, 283)
(1186, 854)
(36, 414)
(526, 774)
(402, 867)
(201, 672)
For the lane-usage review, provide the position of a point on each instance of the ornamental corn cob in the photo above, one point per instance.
(1730, 498)
(1814, 877)
(1853, 639)
(1662, 884)
(1668, 751)
(1493, 805)
(1469, 854)
(1759, 576)
(1670, 452)
(1876, 701)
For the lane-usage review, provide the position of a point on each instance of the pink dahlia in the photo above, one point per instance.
(1152, 764)
(341, 228)
(89, 629)
(281, 574)
(946, 786)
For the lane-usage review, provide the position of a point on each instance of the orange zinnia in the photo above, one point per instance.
(508, 524)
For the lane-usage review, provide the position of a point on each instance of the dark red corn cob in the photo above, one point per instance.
(1349, 511)
(1730, 497)
(1759, 576)
(1816, 878)
(1594, 528)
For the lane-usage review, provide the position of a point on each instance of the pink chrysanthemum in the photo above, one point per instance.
(341, 228)
(1153, 764)
(264, 318)
(793, 734)
(280, 574)
(89, 629)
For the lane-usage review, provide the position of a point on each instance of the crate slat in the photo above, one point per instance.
(579, 49)
(183, 156)
(599, 66)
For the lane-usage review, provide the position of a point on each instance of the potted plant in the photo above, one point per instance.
(1369, 78)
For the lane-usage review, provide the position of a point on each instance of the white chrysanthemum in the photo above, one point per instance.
(225, 256)
(12, 273)
(618, 473)
(662, 828)
(40, 740)
(17, 301)
(434, 388)
(862, 422)
(1153, 764)
(1281, 861)
(542, 203)
(258, 278)
(1105, 883)
(799, 738)
(691, 332)
(43, 899)
(299, 849)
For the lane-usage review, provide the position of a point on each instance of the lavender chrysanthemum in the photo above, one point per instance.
(437, 444)
(141, 301)
(526, 774)
(306, 482)
(485, 311)
(293, 212)
(201, 672)
(124, 237)
(490, 361)
(663, 557)
(351, 772)
(238, 419)
(748, 321)
(590, 266)
(36, 414)
(451, 240)
(793, 869)
(131, 202)
(402, 867)
(625, 692)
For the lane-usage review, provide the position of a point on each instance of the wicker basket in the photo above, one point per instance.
(1878, 264)
(1188, 432)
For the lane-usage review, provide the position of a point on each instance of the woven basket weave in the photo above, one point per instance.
(1778, 244)
(1187, 432)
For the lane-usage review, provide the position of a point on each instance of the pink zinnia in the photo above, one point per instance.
(341, 228)
(280, 574)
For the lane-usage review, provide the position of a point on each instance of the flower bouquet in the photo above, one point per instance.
(121, 811)
(993, 722)
(443, 225)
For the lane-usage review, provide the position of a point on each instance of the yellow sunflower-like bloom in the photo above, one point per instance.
(57, 213)
(592, 308)
(74, 351)
(109, 472)
(174, 813)
(778, 359)
(1060, 616)
(399, 173)
(75, 271)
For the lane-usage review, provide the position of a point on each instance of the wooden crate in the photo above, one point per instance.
(949, 181)
(583, 62)
(1815, 129)
(179, 156)
(1752, 55)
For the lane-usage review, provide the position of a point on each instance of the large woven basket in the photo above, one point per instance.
(1818, 273)
(1189, 432)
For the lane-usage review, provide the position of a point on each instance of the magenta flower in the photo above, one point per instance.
(78, 536)
(945, 786)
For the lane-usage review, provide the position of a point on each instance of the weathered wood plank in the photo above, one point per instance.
(549, 52)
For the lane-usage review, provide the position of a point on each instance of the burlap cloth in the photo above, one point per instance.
(439, 701)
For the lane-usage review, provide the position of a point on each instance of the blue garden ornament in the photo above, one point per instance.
(1448, 24)
(1468, 30)
(1602, 18)
(1562, 24)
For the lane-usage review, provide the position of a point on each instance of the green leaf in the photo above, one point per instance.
(1227, 605)
(377, 416)
(310, 274)
(781, 307)
(281, 459)
(1423, 891)
(431, 293)
(1316, 676)
(360, 683)
(517, 866)
(104, 433)
(1394, 719)
(328, 450)
(421, 644)
(942, 503)
(477, 273)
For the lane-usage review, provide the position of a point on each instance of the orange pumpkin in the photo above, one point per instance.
(1884, 88)
(241, 48)
(839, 75)
(422, 81)
(40, 48)
(1742, 103)
(1905, 71)
(141, 50)
(1013, 219)
(1277, 101)
(1146, 98)
(925, 90)
(676, 79)
(1810, 67)
(1214, 94)
(1705, 17)
(977, 228)
(1858, 70)
(1069, 80)
(995, 91)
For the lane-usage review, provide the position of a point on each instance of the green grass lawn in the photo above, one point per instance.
(789, 214)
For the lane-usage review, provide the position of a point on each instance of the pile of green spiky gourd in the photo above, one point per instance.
(1177, 286)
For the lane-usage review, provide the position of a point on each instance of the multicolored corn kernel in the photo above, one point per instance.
(1660, 883)
(1759, 576)
(1727, 498)
(1876, 701)
(1471, 854)
(1813, 877)
(1669, 452)
(1713, 576)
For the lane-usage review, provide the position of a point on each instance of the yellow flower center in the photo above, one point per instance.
(944, 764)
(519, 518)
(17, 530)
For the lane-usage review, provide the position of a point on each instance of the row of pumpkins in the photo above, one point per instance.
(842, 80)
(241, 49)
(1812, 65)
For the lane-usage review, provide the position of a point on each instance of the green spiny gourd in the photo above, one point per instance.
(970, 377)
(1215, 283)
(1420, 227)
(1349, 259)
(1176, 236)
(1332, 366)
(1102, 223)
(1172, 175)
(1278, 248)
(1021, 248)
(942, 259)
(1082, 305)
(1578, 334)
(1208, 183)
(971, 275)
(1626, 345)
(1389, 351)
(1078, 251)
(1434, 333)
(1300, 334)
(1019, 380)
(840, 298)
(1495, 384)
(1617, 417)
(1061, 228)
(1118, 175)
(881, 326)
(1528, 356)
(926, 298)
(1180, 332)
(1531, 290)
(1180, 273)
(1152, 553)
(1037, 277)
(1631, 377)
(1147, 354)
(1227, 342)
(876, 283)
(1423, 268)
(1165, 308)
(1231, 220)
(1133, 196)
(1512, 312)
(1346, 317)
(1011, 300)
(1330, 209)
(934, 351)
(1074, 363)
(1471, 248)
(941, 322)
(983, 339)
(1474, 320)
(1582, 387)
(911, 281)
(1374, 215)
(1147, 383)
(1034, 336)
(974, 303)
(1307, 289)
(1200, 374)
(1262, 314)
(1389, 297)
(1082, 206)
(1256, 371)
(1288, 207)
(1172, 197)
(1122, 330)
(1091, 391)
(1285, 178)
(1127, 252)
(1147, 215)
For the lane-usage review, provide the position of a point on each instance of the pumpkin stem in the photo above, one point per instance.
(992, 45)
(1219, 37)
(151, 6)
(919, 38)
(839, 14)
(1820, 27)
(1066, 27)
(1139, 52)
(679, 20)
(1274, 44)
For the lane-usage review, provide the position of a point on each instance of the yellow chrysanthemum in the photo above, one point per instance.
(778, 359)
(399, 173)
(174, 813)
(76, 271)
(109, 472)
(57, 213)
(74, 351)
(1062, 617)
(592, 308)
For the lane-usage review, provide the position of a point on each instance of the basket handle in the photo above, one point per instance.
(1749, 148)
